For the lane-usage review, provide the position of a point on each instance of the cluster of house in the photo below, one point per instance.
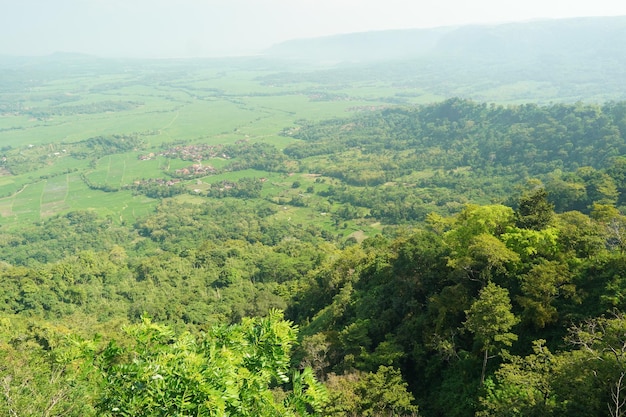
(196, 170)
(196, 153)
(157, 181)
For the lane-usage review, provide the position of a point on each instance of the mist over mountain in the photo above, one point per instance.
(363, 47)
(584, 37)
(543, 61)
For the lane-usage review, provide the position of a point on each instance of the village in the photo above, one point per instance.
(196, 153)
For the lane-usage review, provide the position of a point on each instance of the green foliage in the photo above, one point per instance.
(477, 220)
(228, 371)
(102, 145)
(44, 371)
(243, 188)
(529, 244)
(580, 235)
(473, 238)
(491, 140)
(490, 318)
(390, 310)
(524, 386)
(541, 286)
(380, 393)
(550, 384)
(534, 211)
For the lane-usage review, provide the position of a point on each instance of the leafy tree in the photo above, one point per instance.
(588, 380)
(473, 240)
(44, 371)
(603, 341)
(534, 211)
(579, 234)
(600, 187)
(614, 224)
(229, 371)
(541, 286)
(617, 171)
(523, 386)
(531, 244)
(490, 318)
(488, 255)
(373, 394)
(566, 192)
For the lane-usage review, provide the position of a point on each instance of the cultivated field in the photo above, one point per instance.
(163, 104)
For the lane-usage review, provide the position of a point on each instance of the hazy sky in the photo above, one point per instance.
(189, 28)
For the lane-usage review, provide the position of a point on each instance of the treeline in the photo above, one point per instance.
(30, 158)
(526, 139)
(90, 108)
(100, 146)
(401, 163)
(259, 155)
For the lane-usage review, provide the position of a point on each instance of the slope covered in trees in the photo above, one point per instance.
(455, 258)
(479, 296)
(481, 311)
(458, 151)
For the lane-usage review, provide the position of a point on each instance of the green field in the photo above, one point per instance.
(182, 103)
(55, 165)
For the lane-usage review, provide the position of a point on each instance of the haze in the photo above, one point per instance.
(200, 28)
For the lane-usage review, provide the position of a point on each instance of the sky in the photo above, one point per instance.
(203, 28)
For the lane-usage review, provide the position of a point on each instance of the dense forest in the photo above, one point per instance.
(494, 286)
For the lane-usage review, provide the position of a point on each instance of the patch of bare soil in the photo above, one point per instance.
(359, 235)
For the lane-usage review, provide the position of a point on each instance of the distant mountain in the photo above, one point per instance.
(581, 36)
(360, 47)
(565, 60)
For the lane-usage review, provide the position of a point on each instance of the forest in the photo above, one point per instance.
(209, 244)
(497, 283)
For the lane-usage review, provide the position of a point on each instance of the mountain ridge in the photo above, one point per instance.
(576, 34)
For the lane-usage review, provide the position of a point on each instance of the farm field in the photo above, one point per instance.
(435, 225)
(118, 137)
(423, 231)
(47, 132)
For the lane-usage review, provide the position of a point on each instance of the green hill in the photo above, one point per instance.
(441, 233)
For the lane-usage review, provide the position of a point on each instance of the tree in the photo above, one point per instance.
(229, 371)
(579, 234)
(617, 171)
(473, 240)
(490, 318)
(43, 371)
(614, 224)
(600, 187)
(523, 386)
(372, 394)
(603, 340)
(534, 211)
(488, 254)
(541, 286)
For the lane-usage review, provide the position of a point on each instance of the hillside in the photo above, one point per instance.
(539, 61)
(267, 237)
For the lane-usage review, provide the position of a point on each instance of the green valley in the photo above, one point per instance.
(288, 235)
